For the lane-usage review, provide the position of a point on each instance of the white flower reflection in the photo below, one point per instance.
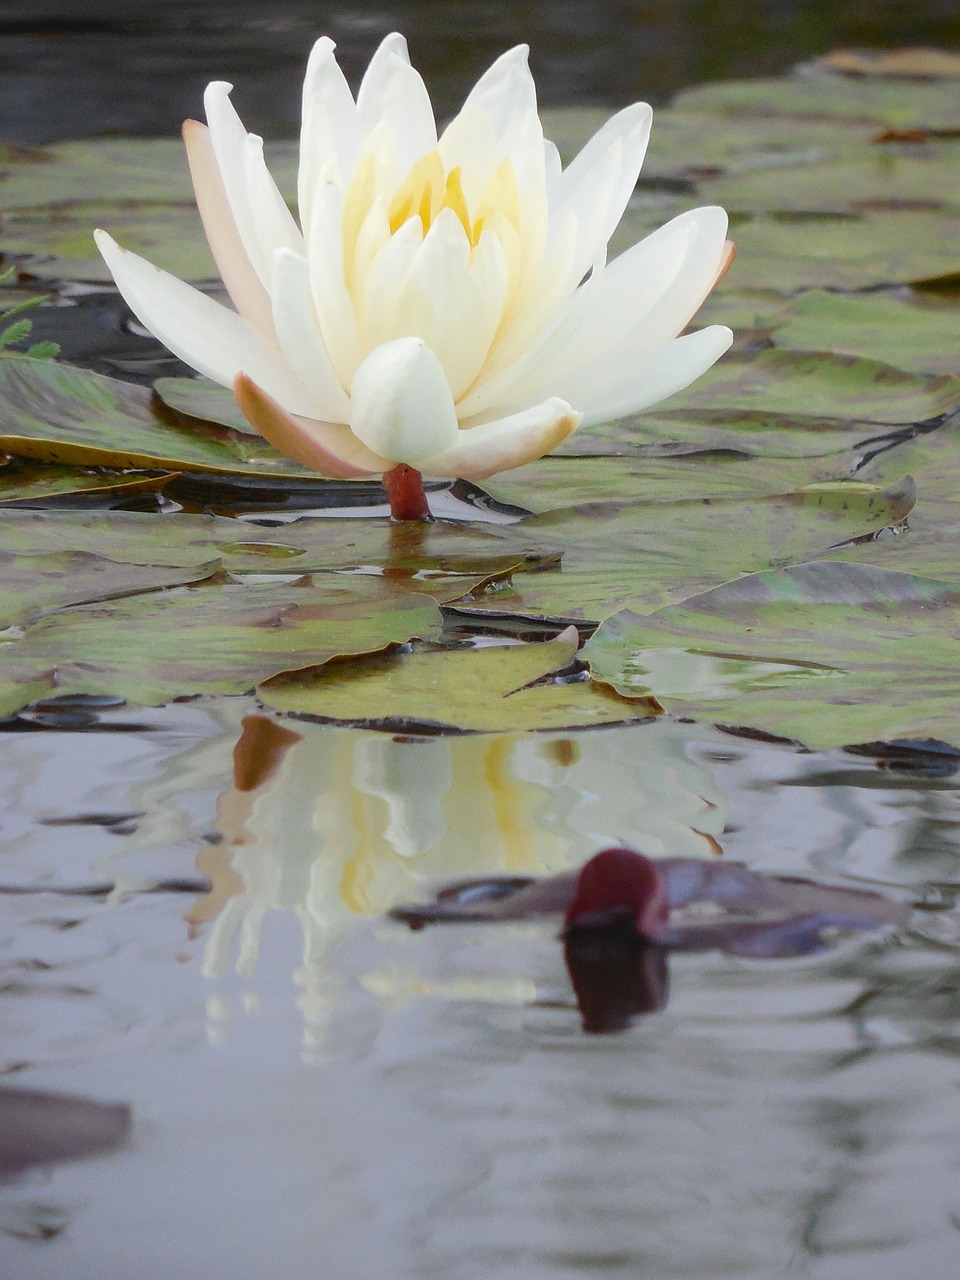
(333, 824)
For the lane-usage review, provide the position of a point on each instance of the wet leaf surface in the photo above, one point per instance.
(823, 653)
(217, 637)
(483, 690)
(897, 332)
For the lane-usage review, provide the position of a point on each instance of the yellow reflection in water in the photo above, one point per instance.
(334, 823)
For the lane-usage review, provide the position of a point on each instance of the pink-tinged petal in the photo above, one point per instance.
(228, 137)
(329, 127)
(209, 337)
(726, 261)
(401, 406)
(299, 335)
(506, 443)
(241, 280)
(325, 447)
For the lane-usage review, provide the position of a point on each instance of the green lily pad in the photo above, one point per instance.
(60, 246)
(901, 334)
(879, 176)
(480, 690)
(828, 654)
(57, 413)
(648, 554)
(138, 189)
(888, 103)
(31, 585)
(203, 399)
(797, 252)
(23, 484)
(827, 385)
(216, 637)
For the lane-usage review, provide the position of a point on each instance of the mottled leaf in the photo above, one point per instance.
(483, 689)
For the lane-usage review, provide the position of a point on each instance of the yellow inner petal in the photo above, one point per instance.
(427, 190)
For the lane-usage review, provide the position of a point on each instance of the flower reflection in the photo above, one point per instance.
(333, 823)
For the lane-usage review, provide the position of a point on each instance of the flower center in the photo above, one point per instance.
(427, 190)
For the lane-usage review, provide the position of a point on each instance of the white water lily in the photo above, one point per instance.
(444, 303)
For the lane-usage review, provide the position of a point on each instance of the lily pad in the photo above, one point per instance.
(200, 398)
(828, 654)
(886, 102)
(217, 637)
(827, 385)
(31, 585)
(650, 554)
(901, 334)
(60, 246)
(26, 484)
(54, 412)
(797, 252)
(480, 690)
(904, 174)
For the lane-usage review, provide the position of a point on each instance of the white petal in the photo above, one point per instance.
(401, 406)
(450, 298)
(505, 443)
(329, 126)
(229, 140)
(299, 335)
(394, 92)
(646, 296)
(328, 447)
(651, 292)
(625, 382)
(334, 306)
(468, 143)
(595, 189)
(210, 338)
(242, 282)
(276, 225)
(376, 289)
(506, 90)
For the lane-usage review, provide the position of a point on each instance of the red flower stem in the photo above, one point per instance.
(404, 486)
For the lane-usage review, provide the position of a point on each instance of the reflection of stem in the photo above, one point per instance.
(404, 488)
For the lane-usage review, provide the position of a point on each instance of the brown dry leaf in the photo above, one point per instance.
(917, 63)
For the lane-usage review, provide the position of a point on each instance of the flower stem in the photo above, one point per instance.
(404, 486)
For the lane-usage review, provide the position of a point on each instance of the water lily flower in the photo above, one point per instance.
(444, 305)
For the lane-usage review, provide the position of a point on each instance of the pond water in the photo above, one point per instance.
(194, 897)
(317, 1089)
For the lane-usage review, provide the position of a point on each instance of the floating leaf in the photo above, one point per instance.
(826, 653)
(649, 554)
(213, 638)
(911, 63)
(40, 583)
(831, 386)
(483, 690)
(893, 103)
(58, 413)
(790, 253)
(906, 336)
(22, 484)
(871, 176)
(203, 399)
